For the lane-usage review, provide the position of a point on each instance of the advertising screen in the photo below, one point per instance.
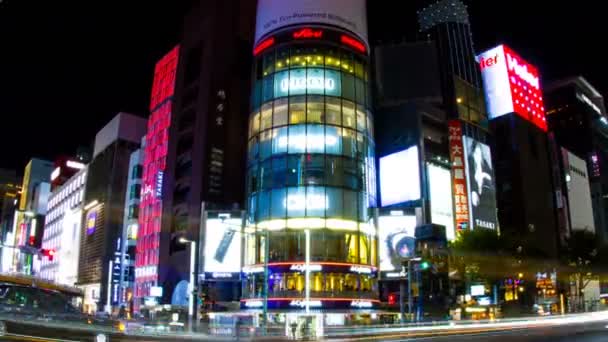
(274, 14)
(223, 245)
(400, 177)
(397, 240)
(91, 221)
(481, 184)
(307, 81)
(441, 198)
(579, 194)
(512, 85)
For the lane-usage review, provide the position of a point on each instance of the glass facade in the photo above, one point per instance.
(311, 167)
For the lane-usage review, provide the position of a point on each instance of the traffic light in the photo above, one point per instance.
(424, 265)
(392, 299)
(49, 253)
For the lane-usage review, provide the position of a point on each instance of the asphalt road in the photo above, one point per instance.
(591, 332)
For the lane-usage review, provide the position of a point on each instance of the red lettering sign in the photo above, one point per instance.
(459, 182)
(307, 33)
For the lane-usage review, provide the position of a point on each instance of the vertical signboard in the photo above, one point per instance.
(459, 182)
(442, 208)
(480, 180)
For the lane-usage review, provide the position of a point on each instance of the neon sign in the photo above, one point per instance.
(361, 269)
(361, 304)
(263, 46)
(302, 202)
(302, 303)
(304, 83)
(352, 42)
(302, 268)
(307, 33)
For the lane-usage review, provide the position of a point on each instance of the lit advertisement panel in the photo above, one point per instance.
(459, 180)
(480, 180)
(512, 85)
(275, 14)
(579, 193)
(91, 221)
(442, 211)
(400, 177)
(222, 247)
(397, 240)
(307, 81)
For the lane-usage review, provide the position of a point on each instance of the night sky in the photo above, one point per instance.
(67, 69)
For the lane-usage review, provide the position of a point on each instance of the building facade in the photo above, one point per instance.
(103, 212)
(203, 153)
(62, 230)
(576, 114)
(130, 231)
(311, 166)
(36, 188)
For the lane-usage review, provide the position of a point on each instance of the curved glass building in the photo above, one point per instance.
(311, 172)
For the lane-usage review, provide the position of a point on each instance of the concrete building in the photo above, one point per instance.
(103, 214)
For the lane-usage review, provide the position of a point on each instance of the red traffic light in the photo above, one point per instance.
(49, 253)
(392, 299)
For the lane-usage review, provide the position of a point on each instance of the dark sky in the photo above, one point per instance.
(66, 69)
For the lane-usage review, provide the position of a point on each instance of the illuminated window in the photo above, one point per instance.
(266, 122)
(333, 111)
(280, 112)
(348, 114)
(297, 108)
(314, 109)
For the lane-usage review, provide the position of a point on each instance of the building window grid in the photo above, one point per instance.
(257, 129)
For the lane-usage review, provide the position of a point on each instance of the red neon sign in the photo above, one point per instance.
(352, 42)
(307, 33)
(263, 46)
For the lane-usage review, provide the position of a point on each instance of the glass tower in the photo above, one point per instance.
(311, 173)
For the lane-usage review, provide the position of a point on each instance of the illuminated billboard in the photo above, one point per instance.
(481, 184)
(397, 240)
(222, 247)
(459, 180)
(307, 81)
(400, 177)
(440, 191)
(512, 85)
(275, 14)
(91, 221)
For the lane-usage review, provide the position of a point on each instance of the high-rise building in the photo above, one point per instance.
(311, 167)
(430, 109)
(10, 190)
(522, 155)
(130, 229)
(62, 229)
(576, 114)
(36, 188)
(199, 119)
(65, 168)
(103, 212)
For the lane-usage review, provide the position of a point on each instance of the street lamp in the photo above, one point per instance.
(192, 279)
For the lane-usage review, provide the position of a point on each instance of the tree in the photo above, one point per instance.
(582, 258)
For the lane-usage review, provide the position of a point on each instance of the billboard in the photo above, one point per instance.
(400, 177)
(481, 184)
(579, 193)
(222, 247)
(459, 181)
(442, 210)
(512, 85)
(275, 14)
(397, 240)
